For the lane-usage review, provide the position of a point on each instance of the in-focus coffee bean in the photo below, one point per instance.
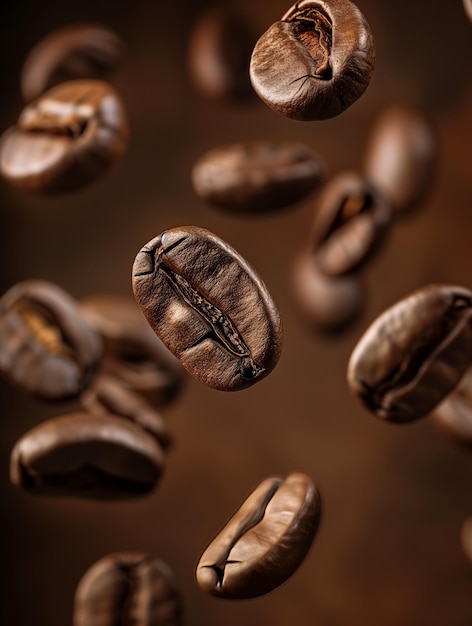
(316, 61)
(466, 538)
(132, 351)
(351, 222)
(219, 52)
(266, 540)
(414, 354)
(402, 155)
(257, 176)
(453, 416)
(47, 348)
(209, 307)
(68, 53)
(66, 139)
(128, 588)
(87, 456)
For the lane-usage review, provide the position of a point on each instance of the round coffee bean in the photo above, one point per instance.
(128, 588)
(257, 176)
(66, 139)
(48, 348)
(468, 8)
(266, 540)
(209, 307)
(316, 61)
(87, 456)
(414, 354)
(68, 53)
(453, 417)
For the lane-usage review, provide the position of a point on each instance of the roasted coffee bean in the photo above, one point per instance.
(266, 540)
(87, 456)
(329, 304)
(414, 354)
(68, 53)
(128, 588)
(133, 353)
(108, 396)
(209, 307)
(401, 157)
(468, 8)
(466, 538)
(453, 416)
(316, 61)
(219, 52)
(351, 222)
(66, 139)
(47, 348)
(257, 176)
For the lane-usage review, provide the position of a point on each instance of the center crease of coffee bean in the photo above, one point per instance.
(313, 29)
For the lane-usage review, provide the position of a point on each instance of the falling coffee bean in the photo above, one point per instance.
(466, 538)
(453, 416)
(468, 8)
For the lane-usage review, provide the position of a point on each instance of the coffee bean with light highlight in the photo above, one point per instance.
(66, 139)
(402, 156)
(468, 8)
(48, 348)
(87, 456)
(453, 417)
(257, 176)
(68, 53)
(414, 354)
(351, 222)
(266, 540)
(128, 588)
(209, 307)
(316, 61)
(466, 538)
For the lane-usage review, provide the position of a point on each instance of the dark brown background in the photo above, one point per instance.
(388, 549)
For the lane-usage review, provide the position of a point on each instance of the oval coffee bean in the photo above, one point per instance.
(47, 348)
(351, 222)
(316, 61)
(127, 588)
(65, 140)
(466, 538)
(266, 540)
(453, 416)
(133, 353)
(468, 8)
(257, 176)
(401, 157)
(414, 354)
(68, 53)
(209, 307)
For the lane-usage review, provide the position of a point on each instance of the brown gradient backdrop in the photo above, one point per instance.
(388, 549)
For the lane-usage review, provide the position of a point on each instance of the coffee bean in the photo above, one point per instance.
(266, 540)
(48, 348)
(468, 8)
(453, 416)
(351, 222)
(257, 176)
(414, 354)
(128, 588)
(401, 157)
(209, 307)
(316, 61)
(133, 353)
(219, 53)
(68, 53)
(66, 139)
(466, 538)
(329, 304)
(108, 396)
(87, 456)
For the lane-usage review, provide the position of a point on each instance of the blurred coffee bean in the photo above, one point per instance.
(466, 538)
(133, 353)
(127, 588)
(414, 354)
(401, 157)
(47, 348)
(257, 176)
(87, 456)
(350, 224)
(209, 307)
(65, 140)
(266, 540)
(316, 61)
(329, 304)
(109, 396)
(71, 52)
(468, 8)
(453, 417)
(219, 52)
